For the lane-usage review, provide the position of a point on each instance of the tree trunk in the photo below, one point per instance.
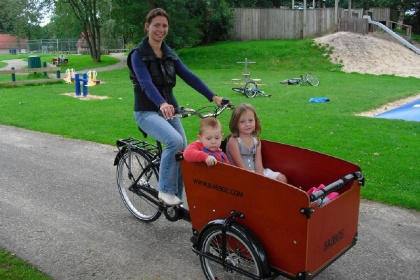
(87, 13)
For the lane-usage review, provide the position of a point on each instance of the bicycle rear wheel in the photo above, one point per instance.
(137, 180)
(312, 79)
(251, 89)
(238, 89)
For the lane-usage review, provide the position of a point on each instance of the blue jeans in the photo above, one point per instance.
(172, 135)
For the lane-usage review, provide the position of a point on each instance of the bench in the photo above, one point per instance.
(58, 61)
(44, 70)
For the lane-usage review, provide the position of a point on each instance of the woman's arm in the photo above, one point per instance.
(193, 81)
(145, 80)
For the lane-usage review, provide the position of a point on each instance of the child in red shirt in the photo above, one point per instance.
(207, 147)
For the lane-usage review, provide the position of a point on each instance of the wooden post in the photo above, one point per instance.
(45, 66)
(336, 13)
(304, 19)
(349, 10)
(13, 75)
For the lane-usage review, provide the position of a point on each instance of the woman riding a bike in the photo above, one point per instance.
(153, 68)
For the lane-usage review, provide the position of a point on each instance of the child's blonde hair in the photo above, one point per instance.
(239, 109)
(209, 122)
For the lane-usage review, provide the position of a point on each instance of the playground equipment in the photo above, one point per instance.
(393, 34)
(92, 81)
(88, 79)
(69, 77)
(246, 76)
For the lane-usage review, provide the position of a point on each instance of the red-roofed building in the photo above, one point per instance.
(10, 44)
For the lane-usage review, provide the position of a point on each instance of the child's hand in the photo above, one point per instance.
(211, 160)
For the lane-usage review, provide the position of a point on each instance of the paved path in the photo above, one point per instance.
(19, 64)
(61, 211)
(16, 63)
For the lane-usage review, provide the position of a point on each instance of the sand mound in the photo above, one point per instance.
(375, 53)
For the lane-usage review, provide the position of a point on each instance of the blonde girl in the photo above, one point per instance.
(244, 147)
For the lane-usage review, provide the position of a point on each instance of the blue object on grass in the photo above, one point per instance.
(319, 99)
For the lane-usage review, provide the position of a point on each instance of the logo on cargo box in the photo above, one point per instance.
(333, 239)
(219, 188)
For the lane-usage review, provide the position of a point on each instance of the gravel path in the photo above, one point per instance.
(20, 63)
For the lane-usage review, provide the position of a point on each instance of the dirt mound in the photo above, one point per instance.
(375, 53)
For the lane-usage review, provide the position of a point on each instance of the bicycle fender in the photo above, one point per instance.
(255, 243)
(119, 155)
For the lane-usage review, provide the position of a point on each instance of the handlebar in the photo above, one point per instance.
(335, 186)
(182, 112)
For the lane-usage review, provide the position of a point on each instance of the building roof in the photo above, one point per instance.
(8, 41)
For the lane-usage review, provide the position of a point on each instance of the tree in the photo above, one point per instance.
(64, 22)
(191, 22)
(88, 14)
(21, 18)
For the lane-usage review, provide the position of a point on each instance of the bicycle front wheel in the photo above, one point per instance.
(241, 254)
(137, 180)
(312, 79)
(251, 89)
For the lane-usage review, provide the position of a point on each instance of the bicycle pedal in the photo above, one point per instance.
(168, 205)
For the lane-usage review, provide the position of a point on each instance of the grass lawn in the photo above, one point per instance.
(12, 268)
(386, 150)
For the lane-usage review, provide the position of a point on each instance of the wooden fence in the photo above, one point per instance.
(254, 24)
(44, 70)
(356, 25)
(257, 24)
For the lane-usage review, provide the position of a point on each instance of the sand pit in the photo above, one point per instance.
(88, 97)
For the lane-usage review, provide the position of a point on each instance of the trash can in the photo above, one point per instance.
(34, 61)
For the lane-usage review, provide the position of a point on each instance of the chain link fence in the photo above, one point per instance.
(68, 46)
(52, 46)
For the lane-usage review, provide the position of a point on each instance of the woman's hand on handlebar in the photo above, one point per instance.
(167, 110)
(218, 100)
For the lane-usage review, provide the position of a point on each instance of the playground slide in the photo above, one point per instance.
(393, 34)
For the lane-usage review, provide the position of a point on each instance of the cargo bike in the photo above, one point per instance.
(245, 225)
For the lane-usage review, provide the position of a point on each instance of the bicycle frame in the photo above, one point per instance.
(250, 90)
(309, 78)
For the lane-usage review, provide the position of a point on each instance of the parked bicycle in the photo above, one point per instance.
(250, 90)
(309, 78)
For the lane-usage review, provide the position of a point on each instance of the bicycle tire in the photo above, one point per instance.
(251, 89)
(312, 79)
(140, 198)
(242, 252)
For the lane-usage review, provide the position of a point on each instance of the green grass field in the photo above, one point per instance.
(386, 150)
